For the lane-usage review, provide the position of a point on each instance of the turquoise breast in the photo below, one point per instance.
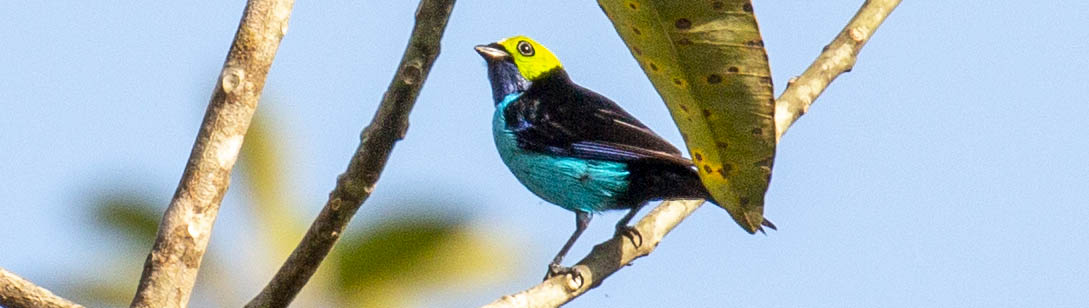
(575, 184)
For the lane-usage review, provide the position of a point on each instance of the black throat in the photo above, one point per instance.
(553, 82)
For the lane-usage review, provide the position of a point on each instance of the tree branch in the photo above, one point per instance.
(171, 268)
(608, 257)
(16, 292)
(604, 260)
(355, 185)
(838, 57)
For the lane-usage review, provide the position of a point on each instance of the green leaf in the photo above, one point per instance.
(707, 61)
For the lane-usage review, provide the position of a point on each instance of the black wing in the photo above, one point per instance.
(565, 119)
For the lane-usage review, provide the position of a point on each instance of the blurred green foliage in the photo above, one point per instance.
(388, 264)
(130, 215)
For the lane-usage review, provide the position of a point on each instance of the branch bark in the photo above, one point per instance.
(612, 255)
(604, 260)
(16, 292)
(171, 268)
(354, 186)
(838, 57)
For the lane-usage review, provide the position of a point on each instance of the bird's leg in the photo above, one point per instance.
(582, 220)
(630, 232)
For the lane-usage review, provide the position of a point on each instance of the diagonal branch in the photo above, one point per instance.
(16, 292)
(608, 257)
(604, 260)
(171, 268)
(353, 187)
(838, 57)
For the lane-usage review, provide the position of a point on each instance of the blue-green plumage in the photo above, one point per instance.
(575, 148)
(579, 150)
(576, 184)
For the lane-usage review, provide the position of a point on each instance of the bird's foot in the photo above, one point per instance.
(555, 269)
(630, 233)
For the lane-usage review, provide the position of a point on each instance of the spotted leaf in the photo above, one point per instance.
(708, 63)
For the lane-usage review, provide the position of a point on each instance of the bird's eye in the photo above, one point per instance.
(525, 48)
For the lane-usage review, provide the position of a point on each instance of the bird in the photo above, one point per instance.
(576, 148)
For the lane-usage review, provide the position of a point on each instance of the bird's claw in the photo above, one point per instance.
(555, 269)
(631, 233)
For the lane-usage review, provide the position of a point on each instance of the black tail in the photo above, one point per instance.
(659, 180)
(655, 180)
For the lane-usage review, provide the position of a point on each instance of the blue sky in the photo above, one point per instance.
(947, 169)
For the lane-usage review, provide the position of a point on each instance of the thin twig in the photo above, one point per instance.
(837, 58)
(608, 257)
(355, 185)
(171, 268)
(16, 292)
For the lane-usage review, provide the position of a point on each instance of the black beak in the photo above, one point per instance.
(492, 52)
